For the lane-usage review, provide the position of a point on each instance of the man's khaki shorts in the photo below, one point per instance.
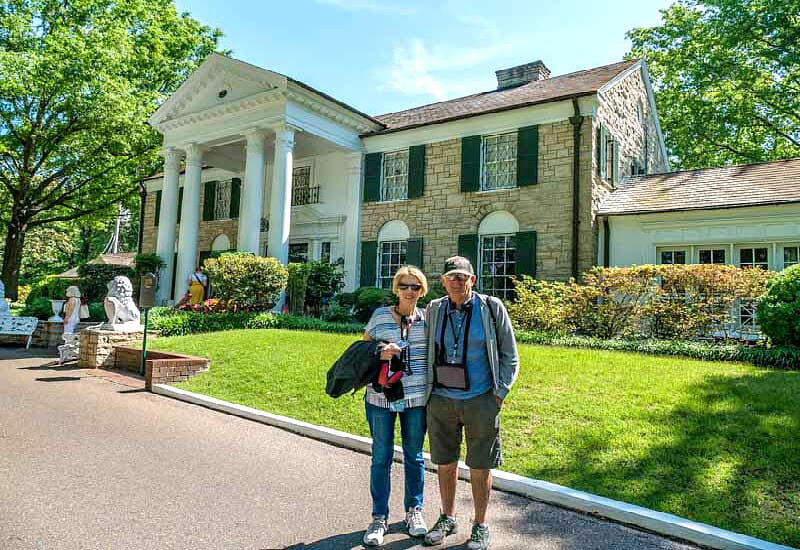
(479, 418)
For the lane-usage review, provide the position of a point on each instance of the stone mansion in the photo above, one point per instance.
(539, 176)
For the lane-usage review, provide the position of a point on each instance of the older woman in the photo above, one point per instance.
(403, 328)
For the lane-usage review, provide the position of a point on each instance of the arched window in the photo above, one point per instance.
(221, 242)
(497, 253)
(392, 249)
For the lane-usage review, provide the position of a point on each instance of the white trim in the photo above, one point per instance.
(651, 98)
(638, 516)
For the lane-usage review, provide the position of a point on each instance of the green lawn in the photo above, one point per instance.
(714, 442)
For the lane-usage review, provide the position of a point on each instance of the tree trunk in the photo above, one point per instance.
(12, 258)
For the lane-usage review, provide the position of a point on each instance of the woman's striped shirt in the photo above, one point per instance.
(383, 327)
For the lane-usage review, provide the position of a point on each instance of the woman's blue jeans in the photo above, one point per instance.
(412, 429)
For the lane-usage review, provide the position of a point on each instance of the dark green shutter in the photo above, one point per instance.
(528, 156)
(180, 203)
(373, 162)
(209, 198)
(369, 257)
(414, 252)
(470, 163)
(525, 253)
(416, 171)
(236, 192)
(598, 153)
(157, 217)
(468, 247)
(615, 161)
(204, 255)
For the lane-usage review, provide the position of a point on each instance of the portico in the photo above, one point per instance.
(251, 125)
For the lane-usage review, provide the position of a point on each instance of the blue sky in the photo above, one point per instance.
(382, 56)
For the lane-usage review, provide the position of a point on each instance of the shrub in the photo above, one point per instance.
(37, 307)
(95, 277)
(22, 293)
(297, 286)
(435, 290)
(336, 313)
(548, 306)
(246, 281)
(778, 311)
(49, 287)
(97, 312)
(370, 298)
(325, 279)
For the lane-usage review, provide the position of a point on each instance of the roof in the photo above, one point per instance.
(765, 183)
(123, 258)
(557, 88)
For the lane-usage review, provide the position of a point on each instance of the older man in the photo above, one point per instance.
(472, 348)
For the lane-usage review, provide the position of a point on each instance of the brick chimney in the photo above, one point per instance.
(521, 74)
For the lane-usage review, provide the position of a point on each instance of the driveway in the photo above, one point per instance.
(90, 460)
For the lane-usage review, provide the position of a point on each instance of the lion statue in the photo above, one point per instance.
(121, 310)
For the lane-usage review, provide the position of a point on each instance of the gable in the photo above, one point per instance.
(218, 81)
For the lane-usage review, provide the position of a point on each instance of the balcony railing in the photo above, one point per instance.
(305, 195)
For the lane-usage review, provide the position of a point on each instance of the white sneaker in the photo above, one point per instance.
(415, 523)
(375, 532)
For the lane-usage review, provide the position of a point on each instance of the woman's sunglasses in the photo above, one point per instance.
(403, 286)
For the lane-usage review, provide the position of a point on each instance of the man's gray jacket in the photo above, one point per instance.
(501, 346)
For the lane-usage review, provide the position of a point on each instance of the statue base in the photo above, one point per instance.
(130, 326)
(97, 345)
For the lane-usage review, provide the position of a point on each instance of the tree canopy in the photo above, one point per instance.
(78, 80)
(726, 75)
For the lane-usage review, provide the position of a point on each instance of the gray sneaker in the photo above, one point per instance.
(375, 531)
(479, 540)
(415, 523)
(443, 527)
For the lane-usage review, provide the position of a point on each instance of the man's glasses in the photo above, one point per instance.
(403, 286)
(460, 277)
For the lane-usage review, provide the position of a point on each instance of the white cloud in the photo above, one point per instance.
(438, 71)
(370, 5)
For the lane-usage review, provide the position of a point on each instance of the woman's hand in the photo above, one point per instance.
(390, 350)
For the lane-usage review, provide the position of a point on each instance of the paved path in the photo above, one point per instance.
(88, 462)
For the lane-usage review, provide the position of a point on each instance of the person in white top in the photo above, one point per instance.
(72, 310)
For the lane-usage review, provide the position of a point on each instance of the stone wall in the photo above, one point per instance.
(46, 335)
(97, 346)
(208, 230)
(444, 212)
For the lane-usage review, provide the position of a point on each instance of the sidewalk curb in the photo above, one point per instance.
(657, 522)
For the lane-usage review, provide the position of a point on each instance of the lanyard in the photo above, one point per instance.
(466, 316)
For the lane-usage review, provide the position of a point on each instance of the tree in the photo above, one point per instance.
(726, 75)
(79, 79)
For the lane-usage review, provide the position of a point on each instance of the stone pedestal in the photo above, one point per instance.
(97, 346)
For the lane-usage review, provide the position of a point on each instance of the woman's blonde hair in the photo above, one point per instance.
(73, 292)
(413, 271)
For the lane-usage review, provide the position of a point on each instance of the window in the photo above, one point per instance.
(754, 257)
(712, 256)
(222, 202)
(497, 265)
(302, 190)
(298, 253)
(325, 252)
(499, 162)
(391, 255)
(395, 176)
(791, 256)
(672, 257)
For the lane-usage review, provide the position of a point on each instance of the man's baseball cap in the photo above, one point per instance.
(458, 264)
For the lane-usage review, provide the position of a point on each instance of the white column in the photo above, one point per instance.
(252, 193)
(315, 252)
(280, 207)
(165, 247)
(190, 219)
(350, 243)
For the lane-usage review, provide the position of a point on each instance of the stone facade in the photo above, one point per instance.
(97, 346)
(444, 212)
(209, 230)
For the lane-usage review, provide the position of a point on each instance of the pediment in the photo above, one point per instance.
(217, 82)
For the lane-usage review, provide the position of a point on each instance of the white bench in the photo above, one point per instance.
(18, 326)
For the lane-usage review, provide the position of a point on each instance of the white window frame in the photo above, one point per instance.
(784, 247)
(753, 247)
(725, 251)
(308, 249)
(672, 249)
(507, 291)
(402, 255)
(512, 136)
(399, 181)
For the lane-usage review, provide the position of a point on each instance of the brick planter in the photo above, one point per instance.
(97, 346)
(160, 367)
